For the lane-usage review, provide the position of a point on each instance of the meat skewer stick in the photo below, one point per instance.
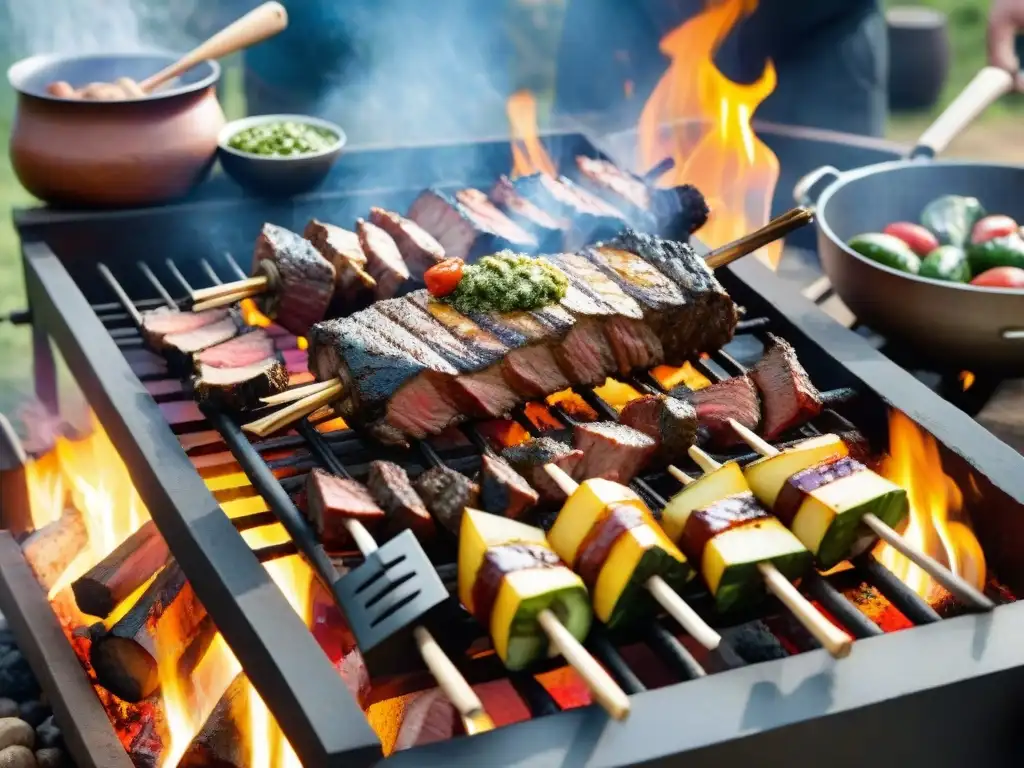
(721, 504)
(829, 526)
(595, 516)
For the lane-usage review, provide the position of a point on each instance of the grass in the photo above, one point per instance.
(533, 26)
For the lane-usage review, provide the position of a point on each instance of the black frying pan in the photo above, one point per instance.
(948, 323)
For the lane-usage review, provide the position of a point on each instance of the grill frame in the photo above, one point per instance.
(300, 695)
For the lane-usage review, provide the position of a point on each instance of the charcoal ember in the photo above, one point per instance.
(331, 500)
(33, 712)
(353, 284)
(391, 488)
(447, 493)
(384, 261)
(8, 708)
(238, 389)
(669, 421)
(611, 451)
(48, 735)
(17, 757)
(52, 757)
(788, 397)
(419, 248)
(528, 459)
(430, 717)
(543, 225)
(734, 398)
(503, 491)
(16, 678)
(301, 280)
(14, 731)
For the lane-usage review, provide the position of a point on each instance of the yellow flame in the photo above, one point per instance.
(967, 379)
(528, 153)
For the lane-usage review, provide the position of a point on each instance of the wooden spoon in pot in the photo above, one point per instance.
(253, 27)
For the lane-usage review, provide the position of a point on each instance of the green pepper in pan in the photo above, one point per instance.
(1005, 251)
(952, 217)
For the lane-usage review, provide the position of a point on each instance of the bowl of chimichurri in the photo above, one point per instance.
(279, 155)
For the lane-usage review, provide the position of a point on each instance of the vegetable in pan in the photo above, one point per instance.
(951, 218)
(998, 252)
(947, 262)
(921, 241)
(888, 250)
(1001, 277)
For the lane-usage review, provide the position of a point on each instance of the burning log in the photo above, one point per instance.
(50, 550)
(124, 655)
(221, 742)
(121, 572)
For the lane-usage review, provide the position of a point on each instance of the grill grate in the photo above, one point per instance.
(276, 467)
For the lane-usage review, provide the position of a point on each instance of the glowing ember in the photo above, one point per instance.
(616, 394)
(967, 379)
(528, 154)
(720, 155)
(915, 464)
(669, 377)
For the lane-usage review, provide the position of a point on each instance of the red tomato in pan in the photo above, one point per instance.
(991, 227)
(1001, 277)
(921, 241)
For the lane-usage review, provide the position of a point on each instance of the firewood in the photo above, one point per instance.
(220, 743)
(124, 655)
(50, 550)
(120, 573)
(147, 746)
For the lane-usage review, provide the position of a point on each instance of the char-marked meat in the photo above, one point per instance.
(331, 500)
(247, 349)
(430, 717)
(186, 344)
(353, 284)
(528, 459)
(384, 261)
(611, 451)
(787, 395)
(419, 249)
(301, 280)
(549, 229)
(468, 226)
(160, 323)
(503, 491)
(447, 493)
(680, 211)
(734, 398)
(592, 218)
(391, 488)
(240, 388)
(711, 315)
(669, 421)
(622, 189)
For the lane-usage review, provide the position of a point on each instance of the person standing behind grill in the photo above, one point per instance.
(831, 57)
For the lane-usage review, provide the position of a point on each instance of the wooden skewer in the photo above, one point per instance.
(227, 298)
(298, 393)
(667, 597)
(778, 227)
(955, 585)
(449, 679)
(294, 412)
(258, 283)
(832, 639)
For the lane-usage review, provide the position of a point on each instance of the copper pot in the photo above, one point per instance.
(113, 154)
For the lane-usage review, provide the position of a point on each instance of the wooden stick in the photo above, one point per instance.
(679, 475)
(226, 300)
(222, 741)
(957, 586)
(292, 395)
(702, 460)
(605, 690)
(667, 597)
(217, 291)
(51, 549)
(776, 228)
(293, 412)
(121, 572)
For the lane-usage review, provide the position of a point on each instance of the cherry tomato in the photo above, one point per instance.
(443, 277)
(991, 227)
(921, 241)
(1001, 277)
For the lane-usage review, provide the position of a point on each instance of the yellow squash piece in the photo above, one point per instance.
(727, 480)
(766, 476)
(582, 509)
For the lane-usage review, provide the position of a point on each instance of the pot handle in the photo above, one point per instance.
(985, 88)
(803, 190)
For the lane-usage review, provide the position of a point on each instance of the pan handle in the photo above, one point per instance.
(803, 190)
(985, 88)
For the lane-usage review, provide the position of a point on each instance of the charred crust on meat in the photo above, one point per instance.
(302, 281)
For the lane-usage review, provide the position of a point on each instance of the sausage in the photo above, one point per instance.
(61, 89)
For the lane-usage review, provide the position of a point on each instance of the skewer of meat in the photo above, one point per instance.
(514, 584)
(738, 546)
(838, 507)
(322, 490)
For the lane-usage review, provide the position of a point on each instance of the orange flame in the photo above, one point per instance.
(937, 524)
(528, 154)
(967, 379)
(719, 154)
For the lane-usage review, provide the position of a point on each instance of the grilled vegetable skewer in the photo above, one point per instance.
(516, 587)
(721, 526)
(610, 537)
(823, 496)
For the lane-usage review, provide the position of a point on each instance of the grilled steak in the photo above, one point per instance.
(418, 247)
(301, 280)
(547, 228)
(788, 396)
(734, 398)
(249, 348)
(447, 493)
(611, 450)
(503, 491)
(469, 226)
(331, 500)
(427, 718)
(528, 459)
(592, 218)
(391, 489)
(203, 337)
(242, 387)
(162, 322)
(353, 284)
(711, 316)
(669, 421)
(621, 189)
(383, 259)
